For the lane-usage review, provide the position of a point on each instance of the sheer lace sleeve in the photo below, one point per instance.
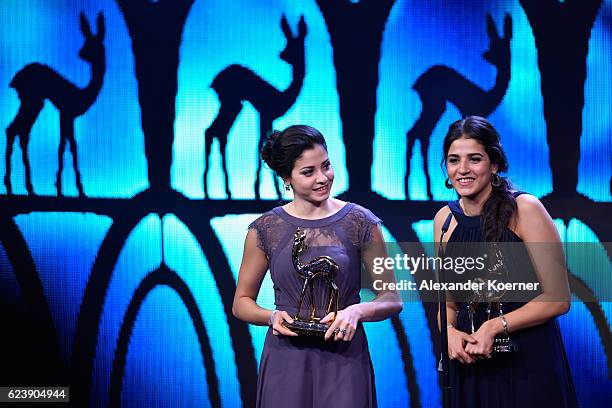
(268, 232)
(360, 223)
(370, 221)
(261, 237)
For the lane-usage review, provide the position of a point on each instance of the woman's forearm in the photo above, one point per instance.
(246, 309)
(451, 316)
(382, 307)
(529, 315)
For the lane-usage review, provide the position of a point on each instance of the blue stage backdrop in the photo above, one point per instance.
(131, 171)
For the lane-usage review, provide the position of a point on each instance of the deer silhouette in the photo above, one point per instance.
(440, 84)
(236, 84)
(37, 82)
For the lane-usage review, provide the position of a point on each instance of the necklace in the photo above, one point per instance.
(464, 210)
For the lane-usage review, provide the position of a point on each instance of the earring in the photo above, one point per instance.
(448, 184)
(287, 187)
(496, 180)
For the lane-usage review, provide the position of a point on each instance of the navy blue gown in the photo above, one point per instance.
(536, 376)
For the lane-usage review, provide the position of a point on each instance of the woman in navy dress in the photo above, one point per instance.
(487, 210)
(305, 371)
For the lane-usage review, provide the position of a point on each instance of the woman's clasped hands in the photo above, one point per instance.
(468, 349)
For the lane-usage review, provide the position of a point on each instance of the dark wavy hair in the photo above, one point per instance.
(498, 210)
(282, 149)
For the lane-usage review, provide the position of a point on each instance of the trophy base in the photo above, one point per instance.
(504, 346)
(303, 328)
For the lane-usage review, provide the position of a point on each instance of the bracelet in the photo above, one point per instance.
(271, 319)
(450, 326)
(504, 324)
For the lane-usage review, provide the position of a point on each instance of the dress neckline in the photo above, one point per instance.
(473, 221)
(467, 220)
(319, 222)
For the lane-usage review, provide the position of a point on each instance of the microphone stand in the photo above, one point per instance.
(444, 359)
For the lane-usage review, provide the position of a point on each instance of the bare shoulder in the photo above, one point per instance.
(442, 214)
(529, 206)
(533, 221)
(526, 199)
(439, 219)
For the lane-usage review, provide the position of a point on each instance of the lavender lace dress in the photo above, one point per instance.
(303, 371)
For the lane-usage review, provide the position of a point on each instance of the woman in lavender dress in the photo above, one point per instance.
(306, 371)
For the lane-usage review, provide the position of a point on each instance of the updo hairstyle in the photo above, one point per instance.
(281, 149)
